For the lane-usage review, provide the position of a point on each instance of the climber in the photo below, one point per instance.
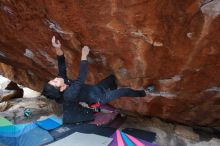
(71, 92)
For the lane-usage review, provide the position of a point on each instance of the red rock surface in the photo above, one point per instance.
(172, 44)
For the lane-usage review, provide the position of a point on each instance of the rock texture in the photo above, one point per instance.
(38, 107)
(171, 44)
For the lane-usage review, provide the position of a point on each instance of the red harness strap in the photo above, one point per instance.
(95, 106)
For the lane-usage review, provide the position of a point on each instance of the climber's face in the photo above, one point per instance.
(57, 82)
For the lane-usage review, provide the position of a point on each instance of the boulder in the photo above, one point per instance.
(7, 95)
(171, 44)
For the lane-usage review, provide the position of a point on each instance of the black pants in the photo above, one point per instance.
(111, 92)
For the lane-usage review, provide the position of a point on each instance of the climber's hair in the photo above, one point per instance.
(51, 92)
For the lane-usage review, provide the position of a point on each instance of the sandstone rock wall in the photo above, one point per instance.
(172, 44)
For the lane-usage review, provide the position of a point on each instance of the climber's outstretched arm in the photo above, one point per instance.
(60, 58)
(73, 90)
(57, 46)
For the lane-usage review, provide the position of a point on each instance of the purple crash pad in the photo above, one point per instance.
(105, 118)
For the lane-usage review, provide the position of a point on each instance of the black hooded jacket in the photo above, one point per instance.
(76, 92)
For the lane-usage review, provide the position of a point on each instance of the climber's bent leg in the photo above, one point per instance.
(108, 83)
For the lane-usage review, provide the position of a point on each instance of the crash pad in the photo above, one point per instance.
(141, 134)
(4, 122)
(50, 123)
(82, 139)
(68, 129)
(24, 135)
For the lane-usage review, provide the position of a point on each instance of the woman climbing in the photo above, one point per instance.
(71, 92)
